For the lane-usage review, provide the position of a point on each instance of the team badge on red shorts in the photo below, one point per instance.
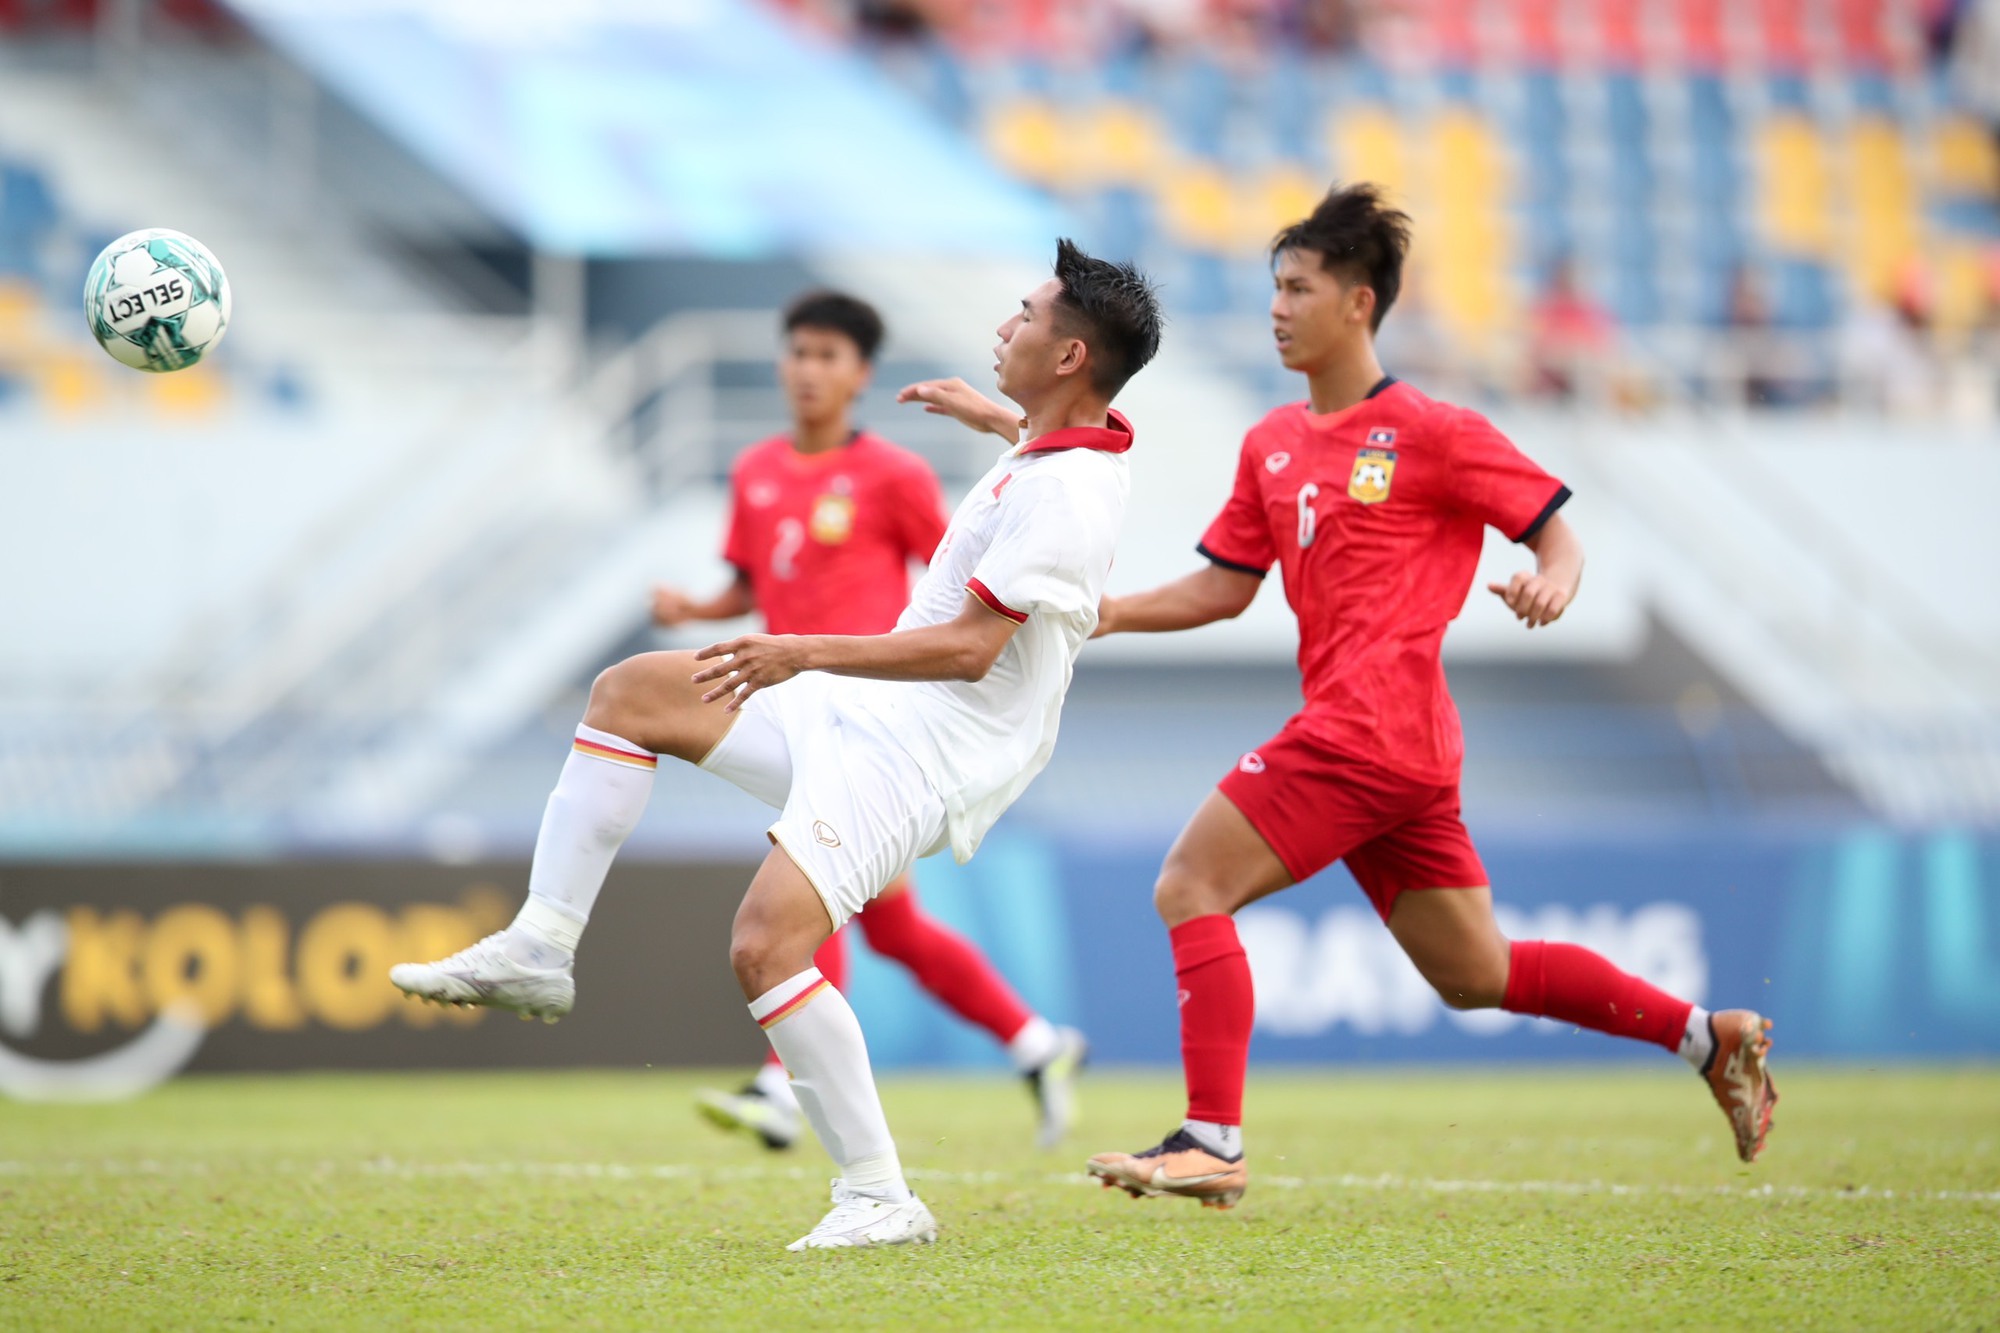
(1373, 470)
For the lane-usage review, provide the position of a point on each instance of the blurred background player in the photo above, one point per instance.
(823, 526)
(1374, 499)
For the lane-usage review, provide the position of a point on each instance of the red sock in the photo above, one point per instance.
(1217, 1005)
(831, 960)
(1569, 982)
(944, 963)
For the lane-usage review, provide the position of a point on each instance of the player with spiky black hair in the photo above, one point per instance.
(1374, 499)
(877, 749)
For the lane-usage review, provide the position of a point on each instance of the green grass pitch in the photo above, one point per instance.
(1433, 1199)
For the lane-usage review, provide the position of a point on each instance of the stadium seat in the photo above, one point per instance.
(1965, 159)
(1028, 138)
(1197, 208)
(1795, 190)
(1887, 224)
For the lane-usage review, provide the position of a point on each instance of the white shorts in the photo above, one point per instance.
(856, 809)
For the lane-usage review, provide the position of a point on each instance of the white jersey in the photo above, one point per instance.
(1033, 541)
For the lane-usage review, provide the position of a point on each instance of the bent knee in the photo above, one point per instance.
(613, 693)
(1470, 989)
(1181, 896)
(628, 696)
(752, 952)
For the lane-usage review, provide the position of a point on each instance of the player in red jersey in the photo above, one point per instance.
(823, 526)
(1373, 499)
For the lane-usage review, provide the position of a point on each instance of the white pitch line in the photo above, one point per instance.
(396, 1169)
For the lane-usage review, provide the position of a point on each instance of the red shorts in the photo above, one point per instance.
(1316, 805)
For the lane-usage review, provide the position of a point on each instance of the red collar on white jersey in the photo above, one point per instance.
(1113, 439)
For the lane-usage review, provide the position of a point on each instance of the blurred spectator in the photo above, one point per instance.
(1760, 366)
(1973, 373)
(1571, 338)
(1888, 362)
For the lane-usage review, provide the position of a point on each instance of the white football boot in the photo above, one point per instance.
(858, 1220)
(1054, 1086)
(483, 974)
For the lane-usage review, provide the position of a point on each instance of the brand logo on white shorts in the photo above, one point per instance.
(1251, 763)
(824, 835)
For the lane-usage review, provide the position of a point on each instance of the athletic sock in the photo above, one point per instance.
(944, 963)
(1697, 1040)
(1570, 983)
(543, 934)
(817, 1036)
(596, 803)
(1225, 1141)
(1217, 1006)
(1034, 1045)
(831, 960)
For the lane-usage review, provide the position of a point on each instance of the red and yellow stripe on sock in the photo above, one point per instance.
(612, 754)
(793, 1005)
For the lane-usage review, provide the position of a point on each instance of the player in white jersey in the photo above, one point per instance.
(876, 749)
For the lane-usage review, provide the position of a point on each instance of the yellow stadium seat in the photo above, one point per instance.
(1964, 158)
(1795, 204)
(1367, 145)
(70, 385)
(1196, 207)
(196, 392)
(1470, 251)
(19, 313)
(1887, 213)
(1029, 139)
(1959, 285)
(1274, 200)
(1121, 144)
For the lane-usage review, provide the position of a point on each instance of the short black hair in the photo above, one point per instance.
(840, 313)
(1359, 236)
(1113, 308)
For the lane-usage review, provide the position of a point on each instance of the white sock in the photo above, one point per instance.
(1697, 1042)
(1034, 1045)
(1225, 1141)
(543, 934)
(775, 1086)
(596, 803)
(819, 1039)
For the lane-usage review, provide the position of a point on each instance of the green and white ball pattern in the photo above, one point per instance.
(157, 300)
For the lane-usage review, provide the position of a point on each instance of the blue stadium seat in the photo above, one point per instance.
(28, 213)
(1802, 294)
(1625, 110)
(1635, 292)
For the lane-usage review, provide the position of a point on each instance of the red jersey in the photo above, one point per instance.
(1376, 514)
(826, 540)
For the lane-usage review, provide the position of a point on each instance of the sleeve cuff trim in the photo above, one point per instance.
(1227, 563)
(1556, 501)
(994, 604)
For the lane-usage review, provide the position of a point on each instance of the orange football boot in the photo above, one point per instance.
(1179, 1166)
(1740, 1077)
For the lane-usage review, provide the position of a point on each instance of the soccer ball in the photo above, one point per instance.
(156, 300)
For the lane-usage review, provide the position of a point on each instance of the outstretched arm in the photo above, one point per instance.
(1540, 598)
(958, 400)
(672, 607)
(964, 648)
(1201, 598)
